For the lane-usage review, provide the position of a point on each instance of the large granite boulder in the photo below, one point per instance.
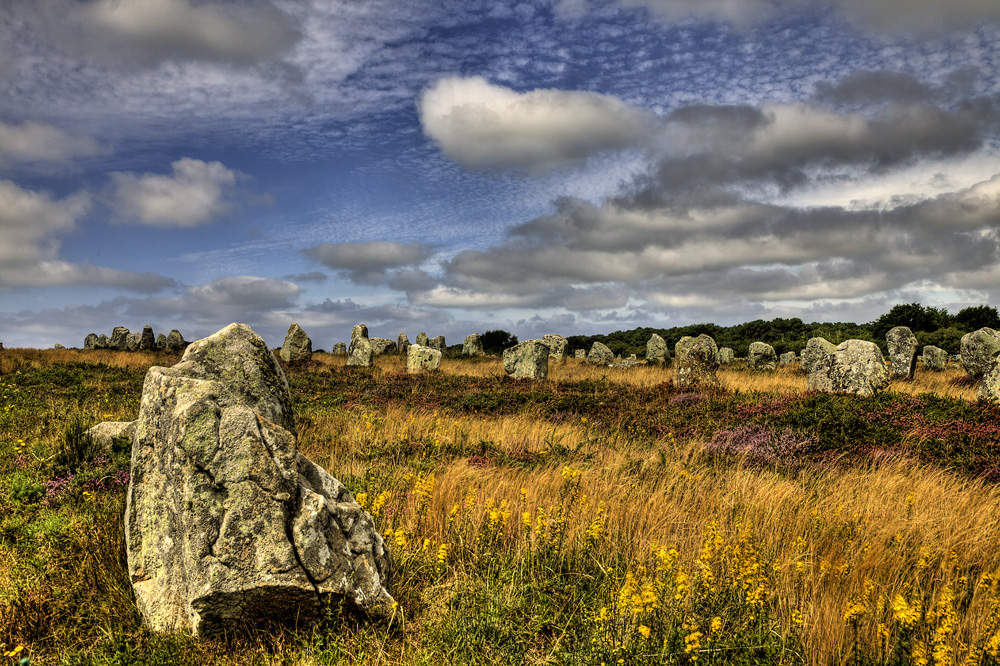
(979, 351)
(360, 354)
(527, 360)
(90, 342)
(855, 366)
(297, 346)
(656, 349)
(473, 346)
(557, 346)
(175, 341)
(599, 354)
(816, 350)
(147, 341)
(437, 342)
(421, 359)
(761, 356)
(935, 358)
(382, 346)
(402, 343)
(726, 355)
(227, 525)
(902, 346)
(119, 338)
(696, 366)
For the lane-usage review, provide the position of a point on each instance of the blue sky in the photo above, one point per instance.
(553, 166)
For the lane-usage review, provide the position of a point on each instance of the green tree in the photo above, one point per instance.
(494, 342)
(914, 316)
(976, 317)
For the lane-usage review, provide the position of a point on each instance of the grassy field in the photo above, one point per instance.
(602, 516)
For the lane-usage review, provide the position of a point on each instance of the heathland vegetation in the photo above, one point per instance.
(601, 516)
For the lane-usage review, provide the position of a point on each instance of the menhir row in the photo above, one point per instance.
(122, 340)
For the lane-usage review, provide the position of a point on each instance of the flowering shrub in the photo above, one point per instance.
(760, 445)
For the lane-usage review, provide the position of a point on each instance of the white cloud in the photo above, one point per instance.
(32, 226)
(160, 29)
(246, 293)
(32, 141)
(479, 124)
(195, 193)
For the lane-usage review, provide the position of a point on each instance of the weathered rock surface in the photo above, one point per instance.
(473, 346)
(360, 354)
(787, 358)
(681, 348)
(339, 348)
(402, 343)
(656, 349)
(726, 355)
(422, 339)
(935, 358)
(132, 341)
(527, 360)
(902, 347)
(581, 353)
(437, 342)
(90, 342)
(382, 346)
(422, 359)
(599, 354)
(175, 341)
(297, 346)
(227, 524)
(119, 338)
(761, 356)
(989, 387)
(816, 350)
(696, 366)
(58, 346)
(102, 342)
(979, 351)
(855, 366)
(161, 341)
(106, 432)
(148, 340)
(557, 346)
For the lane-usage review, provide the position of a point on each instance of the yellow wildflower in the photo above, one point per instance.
(643, 630)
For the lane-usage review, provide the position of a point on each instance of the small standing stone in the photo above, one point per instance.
(175, 341)
(527, 360)
(935, 358)
(726, 355)
(816, 351)
(980, 351)
(359, 331)
(656, 349)
(402, 343)
(161, 342)
(298, 346)
(902, 345)
(581, 353)
(360, 354)
(148, 340)
(119, 338)
(421, 359)
(557, 346)
(761, 356)
(422, 339)
(696, 366)
(339, 348)
(855, 366)
(90, 342)
(132, 341)
(787, 358)
(437, 342)
(681, 348)
(600, 354)
(472, 346)
(989, 387)
(382, 346)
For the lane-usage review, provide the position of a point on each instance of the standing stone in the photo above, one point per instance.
(382, 346)
(787, 358)
(527, 360)
(402, 343)
(102, 342)
(979, 351)
(422, 339)
(147, 342)
(696, 366)
(989, 387)
(437, 342)
(339, 348)
(855, 366)
(557, 346)
(90, 342)
(132, 341)
(600, 354)
(298, 346)
(421, 359)
(119, 338)
(360, 354)
(935, 358)
(358, 332)
(816, 351)
(58, 346)
(161, 342)
(725, 355)
(656, 350)
(681, 348)
(581, 353)
(175, 341)
(761, 356)
(227, 525)
(472, 346)
(902, 345)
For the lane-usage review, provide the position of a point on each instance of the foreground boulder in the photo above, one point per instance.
(473, 346)
(422, 359)
(656, 349)
(557, 346)
(600, 354)
(227, 525)
(935, 358)
(298, 346)
(527, 360)
(980, 351)
(989, 387)
(761, 356)
(854, 367)
(696, 366)
(902, 346)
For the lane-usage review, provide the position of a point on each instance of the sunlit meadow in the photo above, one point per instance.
(601, 516)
